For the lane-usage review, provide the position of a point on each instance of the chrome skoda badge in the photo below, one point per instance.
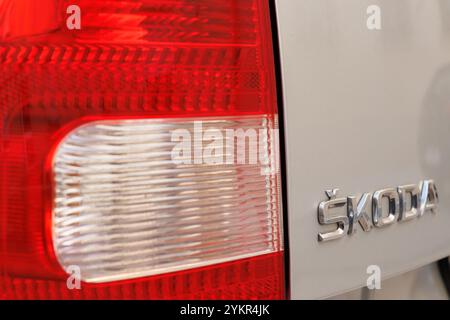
(402, 203)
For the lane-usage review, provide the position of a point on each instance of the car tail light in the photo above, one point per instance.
(91, 123)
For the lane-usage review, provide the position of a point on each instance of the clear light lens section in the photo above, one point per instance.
(137, 198)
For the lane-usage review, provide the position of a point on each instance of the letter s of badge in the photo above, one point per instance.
(333, 211)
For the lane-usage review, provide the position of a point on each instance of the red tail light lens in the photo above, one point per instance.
(88, 177)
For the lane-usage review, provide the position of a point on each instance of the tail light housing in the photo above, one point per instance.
(128, 151)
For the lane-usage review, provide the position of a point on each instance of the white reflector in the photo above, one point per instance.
(125, 206)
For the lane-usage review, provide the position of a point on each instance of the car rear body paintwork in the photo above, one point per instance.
(363, 110)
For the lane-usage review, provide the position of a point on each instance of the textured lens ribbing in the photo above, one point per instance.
(125, 209)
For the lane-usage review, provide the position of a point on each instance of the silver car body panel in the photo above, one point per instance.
(363, 110)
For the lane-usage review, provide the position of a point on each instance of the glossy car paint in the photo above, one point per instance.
(363, 110)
